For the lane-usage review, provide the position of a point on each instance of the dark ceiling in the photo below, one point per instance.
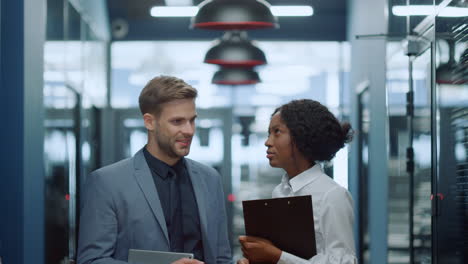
(327, 24)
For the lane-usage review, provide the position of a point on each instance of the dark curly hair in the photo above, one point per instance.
(315, 131)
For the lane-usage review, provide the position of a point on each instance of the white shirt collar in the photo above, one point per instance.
(303, 178)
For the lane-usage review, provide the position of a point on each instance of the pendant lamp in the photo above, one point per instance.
(234, 49)
(234, 14)
(235, 76)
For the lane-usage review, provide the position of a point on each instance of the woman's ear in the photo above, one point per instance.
(150, 121)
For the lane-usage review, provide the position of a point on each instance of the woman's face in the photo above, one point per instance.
(279, 144)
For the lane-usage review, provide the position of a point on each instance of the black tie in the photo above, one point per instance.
(176, 232)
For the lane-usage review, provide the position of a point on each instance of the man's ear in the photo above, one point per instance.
(150, 121)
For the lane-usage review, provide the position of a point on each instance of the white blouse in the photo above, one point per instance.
(333, 216)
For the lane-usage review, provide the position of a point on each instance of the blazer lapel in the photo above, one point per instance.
(146, 182)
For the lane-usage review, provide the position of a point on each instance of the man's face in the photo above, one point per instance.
(174, 129)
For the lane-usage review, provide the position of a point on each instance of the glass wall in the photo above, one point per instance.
(450, 196)
(397, 88)
(410, 155)
(74, 90)
(427, 95)
(363, 178)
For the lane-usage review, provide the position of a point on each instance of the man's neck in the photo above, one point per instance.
(157, 153)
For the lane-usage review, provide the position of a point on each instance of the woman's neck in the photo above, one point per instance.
(298, 167)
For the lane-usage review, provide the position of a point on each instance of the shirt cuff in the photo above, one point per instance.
(287, 258)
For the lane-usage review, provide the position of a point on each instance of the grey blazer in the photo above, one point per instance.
(121, 210)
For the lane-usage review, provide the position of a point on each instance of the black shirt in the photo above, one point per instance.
(179, 205)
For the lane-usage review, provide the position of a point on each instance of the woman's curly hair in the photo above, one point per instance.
(315, 131)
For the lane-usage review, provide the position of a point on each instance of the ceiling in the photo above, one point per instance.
(327, 24)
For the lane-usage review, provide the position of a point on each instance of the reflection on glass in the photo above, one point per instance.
(422, 147)
(451, 194)
(397, 87)
(363, 143)
(60, 167)
(74, 84)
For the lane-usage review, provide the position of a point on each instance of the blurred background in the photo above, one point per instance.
(72, 70)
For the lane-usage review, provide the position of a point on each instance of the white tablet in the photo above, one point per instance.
(137, 256)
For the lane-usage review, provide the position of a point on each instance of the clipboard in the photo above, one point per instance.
(287, 222)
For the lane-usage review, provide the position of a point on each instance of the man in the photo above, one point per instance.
(157, 200)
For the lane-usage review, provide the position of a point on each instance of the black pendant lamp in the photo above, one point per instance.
(234, 14)
(234, 49)
(236, 76)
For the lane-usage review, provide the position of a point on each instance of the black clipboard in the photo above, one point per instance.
(287, 222)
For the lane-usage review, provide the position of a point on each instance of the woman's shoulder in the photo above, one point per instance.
(333, 190)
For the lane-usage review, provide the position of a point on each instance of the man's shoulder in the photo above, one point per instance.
(118, 167)
(195, 165)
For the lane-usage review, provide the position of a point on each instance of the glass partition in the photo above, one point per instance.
(363, 145)
(410, 167)
(397, 88)
(422, 149)
(450, 197)
(74, 88)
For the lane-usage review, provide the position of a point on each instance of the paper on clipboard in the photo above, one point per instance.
(287, 222)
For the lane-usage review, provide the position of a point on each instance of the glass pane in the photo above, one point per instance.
(452, 126)
(397, 87)
(363, 143)
(422, 146)
(74, 81)
(60, 173)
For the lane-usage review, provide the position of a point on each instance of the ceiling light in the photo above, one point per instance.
(234, 49)
(190, 11)
(229, 14)
(236, 76)
(292, 10)
(179, 2)
(426, 10)
(173, 11)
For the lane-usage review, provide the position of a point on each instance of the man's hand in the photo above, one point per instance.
(188, 261)
(257, 249)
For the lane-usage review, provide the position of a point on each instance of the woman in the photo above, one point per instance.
(302, 133)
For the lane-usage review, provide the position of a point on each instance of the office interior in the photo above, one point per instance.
(72, 70)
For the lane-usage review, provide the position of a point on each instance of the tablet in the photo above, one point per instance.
(138, 256)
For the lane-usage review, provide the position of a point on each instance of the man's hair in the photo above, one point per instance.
(314, 130)
(163, 89)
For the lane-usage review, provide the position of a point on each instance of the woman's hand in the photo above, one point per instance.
(243, 261)
(257, 249)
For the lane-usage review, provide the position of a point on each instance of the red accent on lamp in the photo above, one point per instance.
(234, 49)
(234, 14)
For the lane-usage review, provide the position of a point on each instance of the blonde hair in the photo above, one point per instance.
(163, 89)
